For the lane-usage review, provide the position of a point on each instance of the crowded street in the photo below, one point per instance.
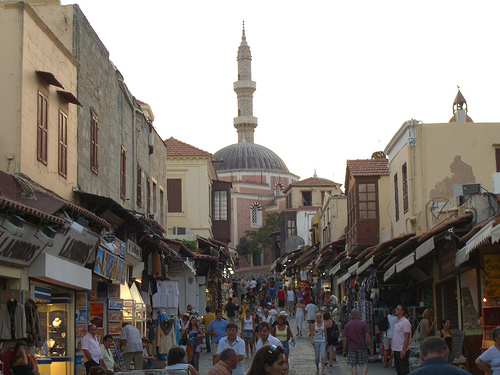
(301, 361)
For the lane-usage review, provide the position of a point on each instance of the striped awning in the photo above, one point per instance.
(390, 272)
(479, 239)
(405, 262)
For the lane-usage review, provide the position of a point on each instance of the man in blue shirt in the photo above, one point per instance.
(217, 329)
(233, 341)
(434, 354)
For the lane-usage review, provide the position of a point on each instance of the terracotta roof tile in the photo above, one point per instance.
(178, 148)
(368, 167)
(315, 181)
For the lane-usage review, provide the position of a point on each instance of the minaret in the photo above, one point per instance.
(460, 109)
(244, 87)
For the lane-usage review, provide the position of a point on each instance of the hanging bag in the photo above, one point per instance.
(416, 334)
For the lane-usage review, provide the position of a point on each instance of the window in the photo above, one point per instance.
(139, 185)
(256, 214)
(396, 196)
(289, 201)
(220, 205)
(174, 194)
(307, 198)
(404, 173)
(497, 158)
(278, 189)
(63, 144)
(94, 144)
(257, 259)
(42, 130)
(291, 227)
(367, 201)
(162, 205)
(123, 173)
(155, 202)
(148, 196)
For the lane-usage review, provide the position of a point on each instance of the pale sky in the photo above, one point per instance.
(335, 79)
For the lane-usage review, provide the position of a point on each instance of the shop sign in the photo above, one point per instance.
(116, 246)
(492, 275)
(134, 250)
(21, 250)
(73, 246)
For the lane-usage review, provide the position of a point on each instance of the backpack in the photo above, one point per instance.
(383, 325)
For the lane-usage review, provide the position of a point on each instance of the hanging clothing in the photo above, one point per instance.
(167, 295)
(12, 321)
(165, 336)
(33, 328)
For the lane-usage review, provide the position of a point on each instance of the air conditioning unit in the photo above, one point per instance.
(181, 231)
(153, 216)
(466, 190)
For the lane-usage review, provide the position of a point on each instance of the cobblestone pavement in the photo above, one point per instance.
(301, 361)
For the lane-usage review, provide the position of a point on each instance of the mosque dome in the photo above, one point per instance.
(248, 156)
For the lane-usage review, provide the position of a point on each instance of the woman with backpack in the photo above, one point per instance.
(332, 338)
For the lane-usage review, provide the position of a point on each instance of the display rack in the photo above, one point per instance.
(491, 319)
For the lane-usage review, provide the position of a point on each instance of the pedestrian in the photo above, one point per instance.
(284, 334)
(265, 337)
(193, 348)
(299, 317)
(230, 309)
(107, 355)
(273, 312)
(281, 297)
(355, 335)
(446, 334)
(332, 337)
(217, 330)
(401, 342)
(206, 320)
(22, 362)
(434, 355)
(427, 324)
(227, 363)
(132, 342)
(92, 355)
(269, 360)
(311, 310)
(290, 301)
(247, 328)
(231, 340)
(236, 302)
(489, 361)
(147, 359)
(176, 360)
(318, 340)
(387, 339)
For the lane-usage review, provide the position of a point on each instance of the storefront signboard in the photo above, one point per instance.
(134, 250)
(72, 245)
(20, 250)
(492, 275)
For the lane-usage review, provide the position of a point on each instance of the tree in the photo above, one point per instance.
(254, 241)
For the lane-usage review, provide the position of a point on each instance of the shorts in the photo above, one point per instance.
(213, 347)
(357, 357)
(387, 343)
(281, 303)
(247, 334)
(286, 347)
(290, 304)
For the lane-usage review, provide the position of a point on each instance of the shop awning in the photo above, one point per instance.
(335, 269)
(353, 268)
(365, 265)
(480, 238)
(405, 262)
(425, 248)
(343, 278)
(390, 272)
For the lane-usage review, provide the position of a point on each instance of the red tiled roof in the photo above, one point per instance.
(368, 167)
(315, 181)
(458, 220)
(178, 148)
(30, 210)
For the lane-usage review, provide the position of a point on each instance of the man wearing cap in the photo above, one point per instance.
(275, 323)
(217, 329)
(265, 337)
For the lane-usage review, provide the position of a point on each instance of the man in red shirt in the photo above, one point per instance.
(281, 298)
(226, 365)
(356, 333)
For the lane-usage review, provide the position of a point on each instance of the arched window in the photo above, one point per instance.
(256, 215)
(278, 189)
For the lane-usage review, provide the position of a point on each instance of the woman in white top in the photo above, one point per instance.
(247, 328)
(318, 340)
(290, 301)
(299, 317)
(175, 360)
(266, 317)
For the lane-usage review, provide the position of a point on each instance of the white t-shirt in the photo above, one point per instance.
(492, 358)
(290, 296)
(311, 311)
(253, 283)
(271, 340)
